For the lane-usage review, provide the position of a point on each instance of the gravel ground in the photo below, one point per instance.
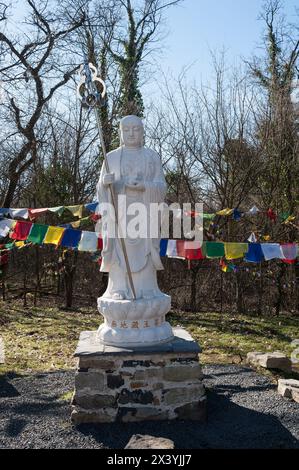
(244, 411)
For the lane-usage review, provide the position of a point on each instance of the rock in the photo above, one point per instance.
(193, 411)
(91, 380)
(171, 373)
(146, 413)
(143, 397)
(289, 388)
(149, 373)
(2, 354)
(94, 363)
(275, 360)
(180, 395)
(115, 381)
(138, 441)
(81, 416)
(95, 401)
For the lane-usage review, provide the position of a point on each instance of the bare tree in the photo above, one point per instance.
(131, 43)
(28, 75)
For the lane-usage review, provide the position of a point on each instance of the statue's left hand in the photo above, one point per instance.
(135, 186)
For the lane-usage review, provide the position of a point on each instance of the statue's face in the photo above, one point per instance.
(131, 132)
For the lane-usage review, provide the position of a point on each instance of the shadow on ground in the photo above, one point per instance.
(228, 426)
(244, 411)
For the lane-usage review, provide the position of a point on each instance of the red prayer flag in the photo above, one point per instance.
(21, 230)
(196, 253)
(35, 213)
(271, 214)
(180, 248)
(95, 217)
(193, 250)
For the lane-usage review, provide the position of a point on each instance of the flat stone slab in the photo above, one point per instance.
(182, 342)
(139, 441)
(275, 360)
(2, 353)
(289, 388)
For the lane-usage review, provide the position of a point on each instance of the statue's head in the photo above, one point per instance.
(131, 132)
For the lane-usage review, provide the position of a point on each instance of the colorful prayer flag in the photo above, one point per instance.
(54, 235)
(37, 233)
(225, 212)
(70, 238)
(271, 251)
(235, 250)
(21, 230)
(35, 213)
(56, 210)
(88, 242)
(163, 247)
(91, 207)
(214, 249)
(289, 252)
(254, 253)
(5, 226)
(21, 213)
(75, 210)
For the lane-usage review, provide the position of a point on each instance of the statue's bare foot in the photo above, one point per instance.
(119, 295)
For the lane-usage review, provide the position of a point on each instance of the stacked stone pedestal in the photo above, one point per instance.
(162, 382)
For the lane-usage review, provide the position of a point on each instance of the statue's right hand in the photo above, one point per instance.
(109, 178)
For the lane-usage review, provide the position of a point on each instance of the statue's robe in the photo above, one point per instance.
(143, 253)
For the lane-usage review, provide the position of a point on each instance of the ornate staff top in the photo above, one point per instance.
(87, 89)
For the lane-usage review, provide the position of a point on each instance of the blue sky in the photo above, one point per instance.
(198, 27)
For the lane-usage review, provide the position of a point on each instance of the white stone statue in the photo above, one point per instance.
(137, 176)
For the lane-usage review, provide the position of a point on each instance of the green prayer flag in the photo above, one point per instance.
(284, 216)
(9, 246)
(214, 249)
(37, 233)
(209, 216)
(57, 210)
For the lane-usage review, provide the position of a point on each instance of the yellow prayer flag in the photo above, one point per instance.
(235, 250)
(225, 212)
(19, 244)
(267, 238)
(75, 210)
(53, 235)
(291, 218)
(80, 222)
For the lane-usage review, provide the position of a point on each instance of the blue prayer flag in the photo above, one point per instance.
(163, 246)
(71, 238)
(91, 206)
(254, 253)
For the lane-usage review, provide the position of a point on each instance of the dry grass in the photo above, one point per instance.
(43, 339)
